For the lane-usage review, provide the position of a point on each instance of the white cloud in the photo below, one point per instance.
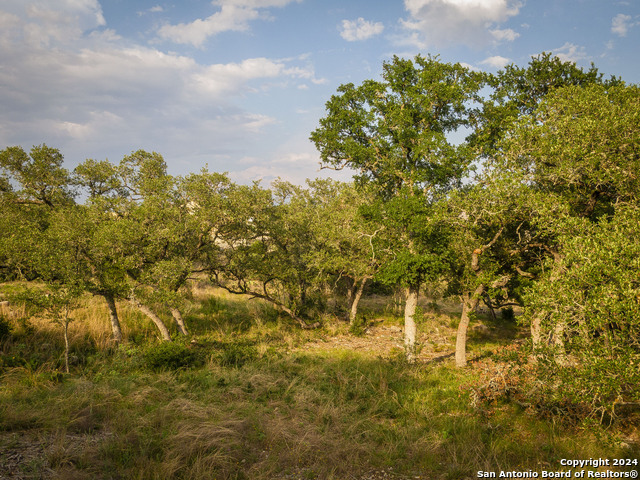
(223, 79)
(570, 52)
(154, 9)
(469, 22)
(10, 27)
(91, 93)
(496, 62)
(54, 22)
(256, 122)
(229, 18)
(234, 15)
(469, 66)
(294, 166)
(360, 29)
(620, 24)
(508, 35)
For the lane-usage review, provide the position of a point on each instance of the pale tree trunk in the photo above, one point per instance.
(536, 331)
(356, 300)
(469, 303)
(536, 337)
(409, 322)
(351, 293)
(556, 340)
(177, 316)
(113, 317)
(66, 344)
(558, 343)
(164, 332)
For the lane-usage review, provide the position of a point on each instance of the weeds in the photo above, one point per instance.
(242, 401)
(171, 356)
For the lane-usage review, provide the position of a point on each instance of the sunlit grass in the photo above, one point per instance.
(254, 405)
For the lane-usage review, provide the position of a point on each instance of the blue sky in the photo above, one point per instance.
(238, 85)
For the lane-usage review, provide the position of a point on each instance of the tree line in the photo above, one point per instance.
(515, 188)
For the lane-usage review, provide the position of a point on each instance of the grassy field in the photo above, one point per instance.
(251, 396)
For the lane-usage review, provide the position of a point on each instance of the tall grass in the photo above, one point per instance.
(252, 405)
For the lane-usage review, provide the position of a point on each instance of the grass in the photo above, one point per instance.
(250, 404)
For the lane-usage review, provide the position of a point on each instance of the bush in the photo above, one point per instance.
(5, 328)
(359, 327)
(508, 314)
(171, 356)
(236, 354)
(571, 393)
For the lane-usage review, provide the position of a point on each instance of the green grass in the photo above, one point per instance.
(250, 405)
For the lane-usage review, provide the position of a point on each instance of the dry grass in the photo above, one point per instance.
(284, 412)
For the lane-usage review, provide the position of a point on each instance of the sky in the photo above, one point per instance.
(238, 86)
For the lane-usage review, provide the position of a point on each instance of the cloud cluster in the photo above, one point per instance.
(496, 62)
(570, 52)
(469, 22)
(233, 15)
(360, 29)
(78, 86)
(621, 24)
(52, 23)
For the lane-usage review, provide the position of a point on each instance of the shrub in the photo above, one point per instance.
(171, 356)
(236, 354)
(557, 391)
(508, 314)
(359, 327)
(5, 328)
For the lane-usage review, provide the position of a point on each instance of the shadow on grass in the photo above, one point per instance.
(229, 315)
(302, 415)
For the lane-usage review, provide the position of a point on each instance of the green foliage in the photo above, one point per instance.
(235, 354)
(100, 178)
(40, 175)
(5, 328)
(518, 91)
(588, 303)
(171, 356)
(393, 132)
(508, 314)
(579, 144)
(358, 326)
(551, 222)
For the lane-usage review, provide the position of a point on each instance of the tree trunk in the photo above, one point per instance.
(113, 316)
(536, 337)
(409, 322)
(290, 312)
(164, 332)
(351, 292)
(66, 344)
(536, 333)
(356, 300)
(489, 304)
(558, 343)
(177, 316)
(469, 303)
(397, 301)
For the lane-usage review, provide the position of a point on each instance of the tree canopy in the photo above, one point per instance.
(513, 189)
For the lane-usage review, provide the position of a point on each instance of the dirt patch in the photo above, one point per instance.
(386, 341)
(29, 455)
